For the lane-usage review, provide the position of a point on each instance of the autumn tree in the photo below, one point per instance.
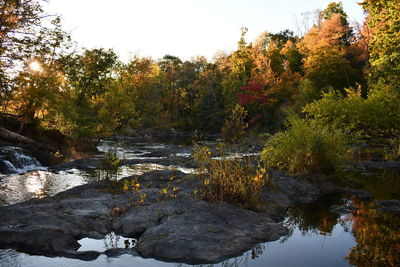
(36, 87)
(21, 32)
(142, 81)
(326, 61)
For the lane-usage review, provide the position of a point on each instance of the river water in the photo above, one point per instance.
(318, 237)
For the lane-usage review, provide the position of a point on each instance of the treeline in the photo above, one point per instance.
(337, 72)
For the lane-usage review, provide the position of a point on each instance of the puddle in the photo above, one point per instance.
(108, 242)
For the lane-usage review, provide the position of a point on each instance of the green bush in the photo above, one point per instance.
(372, 123)
(305, 148)
(378, 116)
(235, 181)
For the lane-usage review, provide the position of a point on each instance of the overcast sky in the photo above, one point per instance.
(183, 28)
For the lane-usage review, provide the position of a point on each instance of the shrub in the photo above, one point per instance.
(235, 126)
(372, 123)
(372, 119)
(109, 165)
(305, 148)
(238, 182)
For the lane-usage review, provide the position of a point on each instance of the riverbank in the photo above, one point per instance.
(173, 226)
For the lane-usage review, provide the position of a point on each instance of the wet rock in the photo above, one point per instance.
(174, 227)
(342, 209)
(177, 229)
(376, 165)
(195, 231)
(388, 205)
(86, 163)
(360, 193)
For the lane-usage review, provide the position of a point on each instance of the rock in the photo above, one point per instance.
(86, 163)
(194, 231)
(376, 165)
(392, 205)
(342, 209)
(360, 193)
(175, 227)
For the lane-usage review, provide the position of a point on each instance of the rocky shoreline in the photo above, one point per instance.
(162, 214)
(174, 226)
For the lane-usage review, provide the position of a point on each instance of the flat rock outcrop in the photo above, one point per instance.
(168, 226)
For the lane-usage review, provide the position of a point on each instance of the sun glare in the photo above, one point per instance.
(35, 66)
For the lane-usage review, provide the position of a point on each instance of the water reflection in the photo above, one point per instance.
(383, 184)
(378, 236)
(110, 241)
(318, 237)
(316, 218)
(39, 183)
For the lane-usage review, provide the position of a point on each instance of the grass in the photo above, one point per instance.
(238, 182)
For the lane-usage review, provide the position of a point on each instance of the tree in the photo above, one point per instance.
(384, 23)
(90, 77)
(326, 61)
(21, 30)
(238, 68)
(208, 108)
(142, 81)
(90, 73)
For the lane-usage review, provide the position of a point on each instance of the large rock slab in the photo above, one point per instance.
(171, 227)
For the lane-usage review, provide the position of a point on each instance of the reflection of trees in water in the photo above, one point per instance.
(383, 184)
(241, 261)
(377, 233)
(111, 240)
(314, 218)
(378, 237)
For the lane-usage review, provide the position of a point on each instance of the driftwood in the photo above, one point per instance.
(15, 137)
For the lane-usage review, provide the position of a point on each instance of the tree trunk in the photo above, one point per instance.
(15, 137)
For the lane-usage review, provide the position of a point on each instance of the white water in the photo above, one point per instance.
(17, 161)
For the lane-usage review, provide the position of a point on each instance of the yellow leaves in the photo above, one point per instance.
(329, 34)
(132, 185)
(125, 186)
(260, 175)
(142, 198)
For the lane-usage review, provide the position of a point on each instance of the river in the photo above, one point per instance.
(318, 237)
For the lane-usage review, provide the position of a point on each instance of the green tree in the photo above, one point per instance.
(90, 77)
(384, 22)
(238, 68)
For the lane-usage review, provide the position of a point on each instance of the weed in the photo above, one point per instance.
(237, 182)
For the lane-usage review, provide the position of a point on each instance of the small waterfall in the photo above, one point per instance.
(16, 160)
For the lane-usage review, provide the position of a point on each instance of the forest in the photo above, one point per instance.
(338, 76)
(318, 110)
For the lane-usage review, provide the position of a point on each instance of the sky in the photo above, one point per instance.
(183, 28)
